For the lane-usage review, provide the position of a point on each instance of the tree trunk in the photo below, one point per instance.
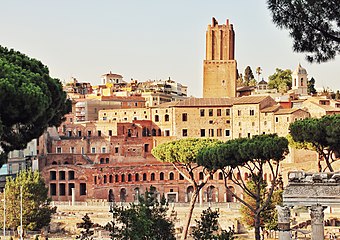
(188, 219)
(257, 226)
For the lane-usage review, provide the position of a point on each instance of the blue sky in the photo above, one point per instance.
(148, 39)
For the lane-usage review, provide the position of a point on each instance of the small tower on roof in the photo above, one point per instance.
(299, 80)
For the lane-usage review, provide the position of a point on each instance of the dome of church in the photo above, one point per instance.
(300, 70)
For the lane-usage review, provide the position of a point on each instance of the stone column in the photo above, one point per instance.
(284, 222)
(317, 221)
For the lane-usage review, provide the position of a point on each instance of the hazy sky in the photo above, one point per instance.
(148, 39)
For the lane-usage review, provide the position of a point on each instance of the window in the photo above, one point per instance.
(152, 177)
(218, 112)
(156, 118)
(276, 119)
(116, 178)
(219, 132)
(202, 112)
(184, 132)
(110, 132)
(82, 189)
(287, 119)
(227, 112)
(239, 124)
(103, 149)
(252, 112)
(93, 150)
(253, 124)
(105, 179)
(211, 132)
(211, 112)
(70, 175)
(69, 133)
(62, 189)
(301, 82)
(62, 175)
(101, 160)
(59, 150)
(146, 147)
(99, 133)
(122, 178)
(116, 149)
(184, 117)
(129, 178)
(227, 122)
(79, 133)
(167, 133)
(171, 176)
(202, 132)
(265, 122)
(136, 177)
(70, 186)
(53, 189)
(227, 132)
(161, 176)
(89, 133)
(248, 135)
(53, 175)
(166, 118)
(144, 177)
(71, 149)
(111, 179)
(239, 112)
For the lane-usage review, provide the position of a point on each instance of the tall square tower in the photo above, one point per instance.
(219, 68)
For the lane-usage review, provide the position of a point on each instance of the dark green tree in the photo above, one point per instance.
(146, 220)
(182, 154)
(254, 155)
(30, 100)
(87, 225)
(37, 212)
(207, 227)
(322, 134)
(311, 86)
(281, 80)
(313, 25)
(269, 214)
(248, 76)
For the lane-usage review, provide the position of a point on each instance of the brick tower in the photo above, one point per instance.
(219, 71)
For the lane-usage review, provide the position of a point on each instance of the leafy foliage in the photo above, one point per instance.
(313, 25)
(145, 220)
(87, 225)
(268, 217)
(253, 155)
(281, 80)
(207, 227)
(248, 76)
(323, 134)
(37, 211)
(30, 100)
(311, 86)
(183, 155)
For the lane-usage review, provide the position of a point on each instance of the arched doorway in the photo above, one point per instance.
(136, 194)
(230, 197)
(122, 195)
(211, 194)
(190, 191)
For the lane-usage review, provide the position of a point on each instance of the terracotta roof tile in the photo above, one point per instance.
(250, 99)
(271, 109)
(201, 102)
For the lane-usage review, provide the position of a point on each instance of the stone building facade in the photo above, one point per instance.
(114, 153)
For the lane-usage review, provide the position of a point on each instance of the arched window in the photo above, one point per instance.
(129, 178)
(136, 177)
(153, 132)
(123, 177)
(161, 176)
(54, 163)
(171, 176)
(144, 177)
(110, 179)
(101, 160)
(156, 118)
(166, 118)
(152, 177)
(116, 178)
(66, 162)
(105, 179)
